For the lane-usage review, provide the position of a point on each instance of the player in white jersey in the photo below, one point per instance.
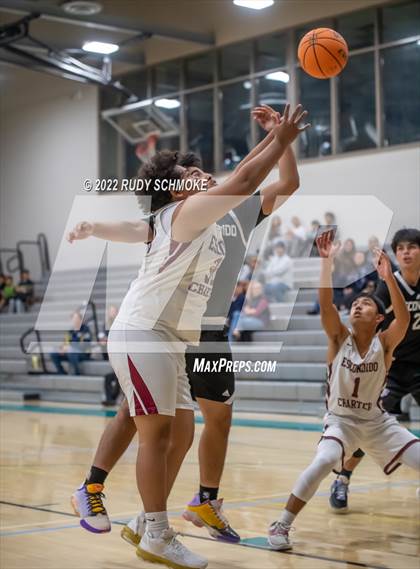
(404, 375)
(358, 360)
(161, 314)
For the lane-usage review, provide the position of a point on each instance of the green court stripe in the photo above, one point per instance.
(237, 422)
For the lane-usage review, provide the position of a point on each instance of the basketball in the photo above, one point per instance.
(323, 53)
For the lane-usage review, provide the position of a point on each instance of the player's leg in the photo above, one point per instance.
(398, 384)
(214, 394)
(182, 435)
(87, 500)
(329, 453)
(158, 544)
(340, 487)
(150, 385)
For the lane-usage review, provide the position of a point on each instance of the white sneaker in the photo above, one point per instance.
(166, 549)
(278, 536)
(134, 530)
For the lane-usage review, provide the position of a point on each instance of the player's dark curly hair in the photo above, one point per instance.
(163, 166)
(409, 235)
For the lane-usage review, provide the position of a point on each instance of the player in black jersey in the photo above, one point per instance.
(404, 375)
(213, 391)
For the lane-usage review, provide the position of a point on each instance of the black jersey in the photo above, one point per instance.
(409, 349)
(237, 226)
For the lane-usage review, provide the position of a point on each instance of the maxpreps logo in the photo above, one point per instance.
(203, 365)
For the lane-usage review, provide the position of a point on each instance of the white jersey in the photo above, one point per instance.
(174, 282)
(354, 383)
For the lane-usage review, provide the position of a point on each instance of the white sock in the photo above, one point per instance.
(156, 522)
(287, 518)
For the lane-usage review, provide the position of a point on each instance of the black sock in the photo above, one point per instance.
(96, 476)
(208, 493)
(346, 473)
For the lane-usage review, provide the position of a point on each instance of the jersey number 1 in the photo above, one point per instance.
(356, 388)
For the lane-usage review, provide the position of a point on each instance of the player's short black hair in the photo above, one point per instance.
(163, 166)
(379, 304)
(410, 235)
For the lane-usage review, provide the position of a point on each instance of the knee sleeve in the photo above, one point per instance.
(328, 454)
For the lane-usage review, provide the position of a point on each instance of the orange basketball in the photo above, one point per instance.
(323, 53)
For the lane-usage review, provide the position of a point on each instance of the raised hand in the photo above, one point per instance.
(326, 247)
(289, 128)
(82, 230)
(382, 264)
(266, 117)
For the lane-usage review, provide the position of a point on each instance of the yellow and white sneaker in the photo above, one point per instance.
(134, 530)
(167, 550)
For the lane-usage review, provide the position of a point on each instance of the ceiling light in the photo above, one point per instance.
(168, 103)
(82, 7)
(100, 47)
(247, 84)
(278, 76)
(254, 4)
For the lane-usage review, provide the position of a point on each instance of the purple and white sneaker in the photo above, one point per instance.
(87, 504)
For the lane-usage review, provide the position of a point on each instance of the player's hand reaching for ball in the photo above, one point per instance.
(266, 117)
(290, 127)
(326, 246)
(382, 264)
(82, 230)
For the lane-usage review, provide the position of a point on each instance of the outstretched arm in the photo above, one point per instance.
(398, 327)
(330, 319)
(275, 194)
(199, 211)
(122, 231)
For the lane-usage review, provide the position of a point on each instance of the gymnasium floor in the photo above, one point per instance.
(46, 450)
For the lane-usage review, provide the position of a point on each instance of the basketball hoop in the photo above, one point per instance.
(147, 148)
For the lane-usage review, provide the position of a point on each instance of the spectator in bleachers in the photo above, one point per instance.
(76, 346)
(238, 300)
(358, 279)
(310, 239)
(24, 296)
(296, 236)
(330, 222)
(251, 264)
(278, 274)
(8, 293)
(344, 265)
(2, 285)
(255, 314)
(276, 232)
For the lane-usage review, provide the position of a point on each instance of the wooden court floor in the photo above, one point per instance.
(46, 450)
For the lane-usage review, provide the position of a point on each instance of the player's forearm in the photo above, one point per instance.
(288, 171)
(326, 295)
(402, 316)
(255, 151)
(258, 167)
(121, 231)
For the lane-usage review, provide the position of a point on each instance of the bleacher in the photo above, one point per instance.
(296, 386)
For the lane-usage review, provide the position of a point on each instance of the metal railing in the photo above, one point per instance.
(38, 363)
(43, 252)
(15, 255)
